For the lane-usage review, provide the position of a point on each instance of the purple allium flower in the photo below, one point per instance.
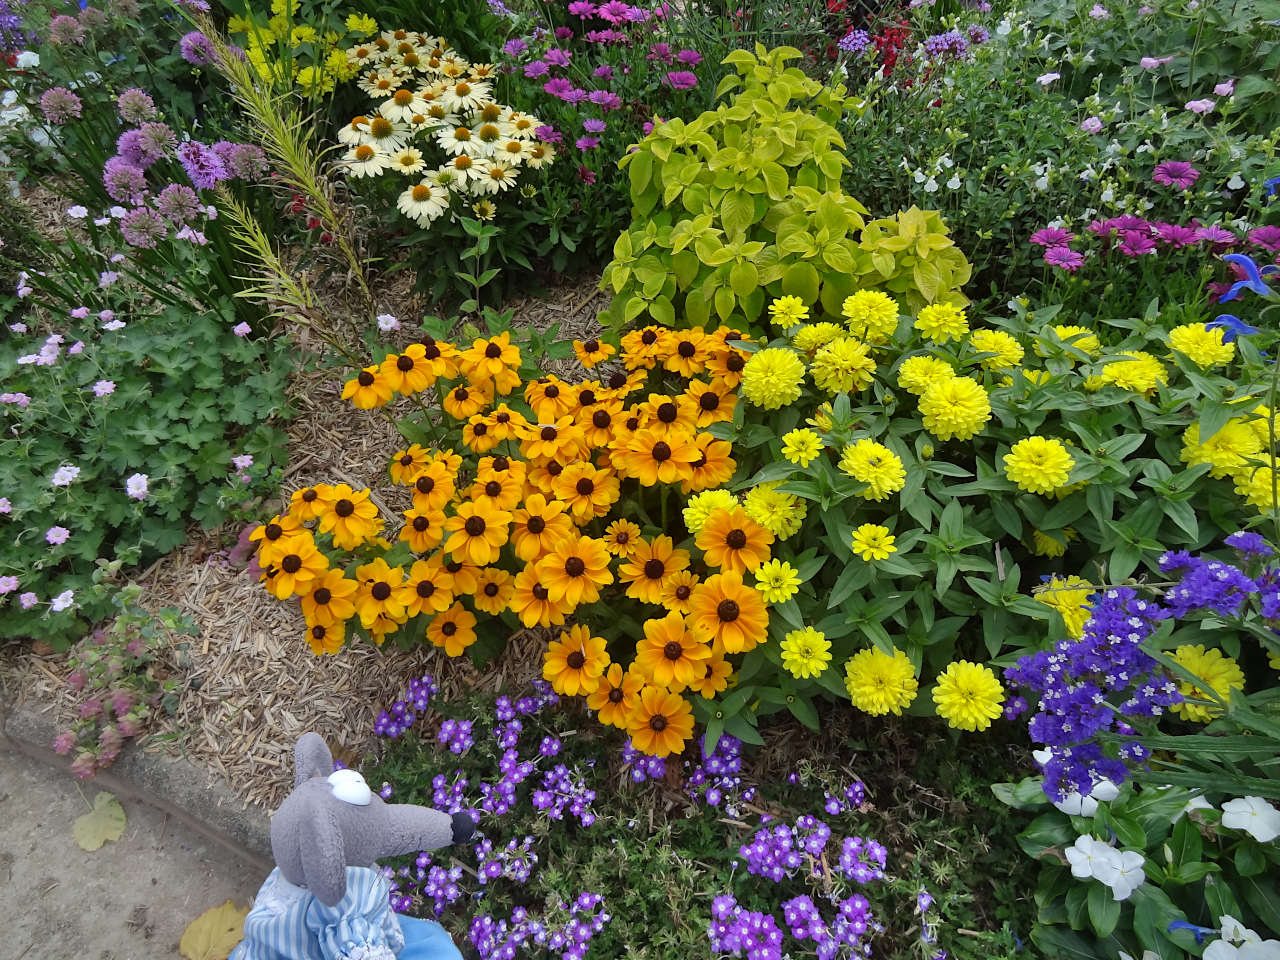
(1064, 258)
(682, 79)
(178, 204)
(244, 161)
(91, 18)
(203, 166)
(156, 140)
(1175, 173)
(58, 104)
(135, 106)
(124, 181)
(142, 227)
(1052, 237)
(65, 30)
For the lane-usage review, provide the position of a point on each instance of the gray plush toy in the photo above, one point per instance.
(327, 899)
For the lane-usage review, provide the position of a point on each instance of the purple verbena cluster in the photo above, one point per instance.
(743, 933)
(564, 789)
(456, 735)
(718, 777)
(402, 714)
(862, 860)
(641, 766)
(515, 861)
(949, 45)
(496, 939)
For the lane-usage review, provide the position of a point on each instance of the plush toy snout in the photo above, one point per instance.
(333, 820)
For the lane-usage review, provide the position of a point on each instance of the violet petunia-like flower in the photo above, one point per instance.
(1175, 173)
(1052, 237)
(1064, 258)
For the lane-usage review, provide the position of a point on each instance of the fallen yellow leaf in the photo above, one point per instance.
(213, 934)
(104, 822)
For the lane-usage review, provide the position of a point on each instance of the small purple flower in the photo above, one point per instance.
(65, 31)
(28, 600)
(135, 106)
(104, 388)
(241, 329)
(855, 42)
(142, 227)
(563, 33)
(178, 204)
(196, 49)
(58, 104)
(1250, 544)
(557, 57)
(690, 58)
(582, 9)
(1136, 243)
(1201, 106)
(514, 47)
(1175, 173)
(1225, 89)
(595, 125)
(682, 79)
(1052, 237)
(1091, 124)
(203, 166)
(56, 536)
(603, 72)
(1266, 237)
(124, 181)
(605, 99)
(537, 69)
(587, 143)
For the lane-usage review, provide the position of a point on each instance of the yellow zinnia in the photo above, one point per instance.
(968, 696)
(878, 683)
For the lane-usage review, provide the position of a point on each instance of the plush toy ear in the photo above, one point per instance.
(311, 758)
(320, 847)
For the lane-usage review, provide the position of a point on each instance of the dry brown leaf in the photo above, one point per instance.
(213, 934)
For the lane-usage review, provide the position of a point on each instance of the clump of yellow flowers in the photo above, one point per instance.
(288, 53)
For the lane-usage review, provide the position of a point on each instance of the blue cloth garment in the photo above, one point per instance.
(287, 922)
(426, 940)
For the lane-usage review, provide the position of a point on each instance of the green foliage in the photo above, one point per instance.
(1196, 871)
(743, 203)
(188, 395)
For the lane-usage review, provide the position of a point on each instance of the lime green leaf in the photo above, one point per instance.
(105, 822)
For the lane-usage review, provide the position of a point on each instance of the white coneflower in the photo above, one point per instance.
(357, 131)
(362, 55)
(465, 167)
(522, 125)
(402, 105)
(488, 112)
(453, 66)
(446, 178)
(495, 177)
(441, 114)
(420, 122)
(489, 135)
(484, 210)
(424, 202)
(511, 150)
(386, 134)
(482, 71)
(408, 160)
(456, 140)
(538, 154)
(465, 95)
(365, 160)
(379, 84)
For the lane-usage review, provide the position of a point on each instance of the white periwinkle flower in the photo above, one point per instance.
(1122, 872)
(1086, 855)
(1254, 816)
(1240, 943)
(1076, 805)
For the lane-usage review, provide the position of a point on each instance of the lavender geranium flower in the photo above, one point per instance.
(136, 486)
(1175, 173)
(1200, 106)
(58, 104)
(203, 166)
(56, 536)
(1091, 124)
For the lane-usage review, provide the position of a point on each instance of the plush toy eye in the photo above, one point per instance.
(349, 787)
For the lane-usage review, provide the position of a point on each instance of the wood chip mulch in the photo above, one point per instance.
(253, 684)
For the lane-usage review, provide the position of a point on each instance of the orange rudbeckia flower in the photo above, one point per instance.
(494, 587)
(648, 566)
(454, 630)
(492, 361)
(660, 722)
(587, 490)
(574, 663)
(668, 654)
(326, 638)
(714, 678)
(652, 457)
(476, 533)
(368, 389)
(378, 594)
(331, 599)
(433, 488)
(731, 540)
(723, 609)
(593, 352)
(423, 529)
(575, 570)
(351, 517)
(538, 526)
(621, 537)
(299, 567)
(642, 349)
(713, 468)
(532, 602)
(408, 372)
(429, 589)
(615, 697)
(688, 352)
(309, 502)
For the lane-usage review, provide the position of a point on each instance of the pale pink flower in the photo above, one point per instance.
(1201, 106)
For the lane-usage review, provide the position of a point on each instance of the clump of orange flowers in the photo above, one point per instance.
(509, 518)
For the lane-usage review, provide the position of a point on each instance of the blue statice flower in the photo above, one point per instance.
(1250, 544)
(855, 42)
(1204, 585)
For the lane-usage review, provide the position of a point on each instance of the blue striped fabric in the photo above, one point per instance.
(288, 923)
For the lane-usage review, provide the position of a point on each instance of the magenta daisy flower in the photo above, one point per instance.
(1064, 258)
(1175, 173)
(1052, 237)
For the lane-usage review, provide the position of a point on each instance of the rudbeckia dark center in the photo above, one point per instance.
(404, 363)
(364, 378)
(344, 508)
(322, 596)
(727, 611)
(658, 724)
(667, 412)
(291, 564)
(575, 660)
(574, 567)
(274, 531)
(654, 569)
(536, 525)
(661, 451)
(493, 351)
(585, 487)
(474, 526)
(673, 651)
(380, 590)
(736, 539)
(426, 588)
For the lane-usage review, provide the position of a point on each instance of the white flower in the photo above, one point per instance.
(1076, 805)
(386, 322)
(1042, 756)
(1122, 872)
(1240, 943)
(1086, 855)
(1005, 28)
(113, 325)
(77, 212)
(931, 186)
(954, 182)
(62, 601)
(918, 176)
(117, 212)
(1195, 803)
(136, 486)
(1107, 195)
(1047, 78)
(27, 59)
(1104, 790)
(1235, 183)
(1253, 815)
(64, 475)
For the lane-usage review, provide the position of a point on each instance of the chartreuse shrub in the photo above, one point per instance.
(743, 204)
